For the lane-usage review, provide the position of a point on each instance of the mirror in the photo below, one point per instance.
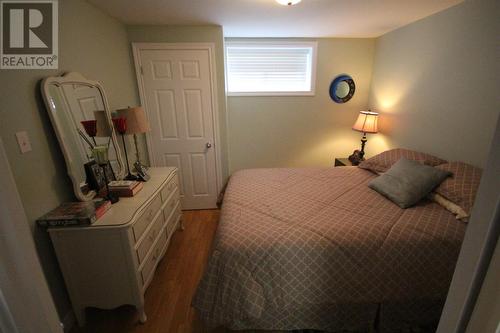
(71, 99)
(342, 89)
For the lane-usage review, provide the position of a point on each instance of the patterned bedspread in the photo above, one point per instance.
(318, 249)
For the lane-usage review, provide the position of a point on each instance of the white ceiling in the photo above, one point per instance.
(266, 18)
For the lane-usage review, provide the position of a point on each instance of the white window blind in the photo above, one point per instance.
(270, 68)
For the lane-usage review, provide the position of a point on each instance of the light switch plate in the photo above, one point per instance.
(23, 141)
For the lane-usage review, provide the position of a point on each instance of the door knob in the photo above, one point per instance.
(208, 145)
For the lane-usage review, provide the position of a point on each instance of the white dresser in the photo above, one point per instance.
(112, 262)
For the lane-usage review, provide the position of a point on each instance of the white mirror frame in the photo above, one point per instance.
(79, 79)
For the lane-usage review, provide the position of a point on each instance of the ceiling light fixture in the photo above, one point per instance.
(288, 2)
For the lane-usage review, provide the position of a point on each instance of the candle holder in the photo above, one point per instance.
(90, 127)
(121, 127)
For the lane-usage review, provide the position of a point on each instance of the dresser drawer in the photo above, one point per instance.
(172, 202)
(172, 222)
(169, 188)
(147, 242)
(153, 258)
(146, 218)
(170, 205)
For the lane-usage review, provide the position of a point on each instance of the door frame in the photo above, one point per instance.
(478, 246)
(210, 47)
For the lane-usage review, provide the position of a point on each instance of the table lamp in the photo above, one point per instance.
(366, 123)
(137, 123)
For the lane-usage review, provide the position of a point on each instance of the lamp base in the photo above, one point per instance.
(356, 157)
(363, 143)
(131, 177)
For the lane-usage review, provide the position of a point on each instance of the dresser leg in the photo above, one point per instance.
(142, 315)
(181, 224)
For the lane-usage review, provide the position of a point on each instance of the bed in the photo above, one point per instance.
(316, 248)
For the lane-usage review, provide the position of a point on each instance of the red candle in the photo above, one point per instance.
(120, 124)
(90, 127)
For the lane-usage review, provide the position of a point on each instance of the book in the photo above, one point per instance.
(122, 184)
(75, 214)
(126, 192)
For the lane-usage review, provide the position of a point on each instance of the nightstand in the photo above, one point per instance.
(342, 162)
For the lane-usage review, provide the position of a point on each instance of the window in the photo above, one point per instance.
(270, 68)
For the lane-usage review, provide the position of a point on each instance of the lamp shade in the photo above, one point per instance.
(366, 122)
(137, 121)
(102, 124)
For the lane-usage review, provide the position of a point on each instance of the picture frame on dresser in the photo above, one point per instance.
(112, 262)
(95, 176)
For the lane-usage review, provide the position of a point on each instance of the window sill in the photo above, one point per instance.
(270, 94)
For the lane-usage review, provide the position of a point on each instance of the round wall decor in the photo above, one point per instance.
(342, 88)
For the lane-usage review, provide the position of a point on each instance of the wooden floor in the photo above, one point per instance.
(168, 298)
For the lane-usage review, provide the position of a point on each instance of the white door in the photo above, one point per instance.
(178, 95)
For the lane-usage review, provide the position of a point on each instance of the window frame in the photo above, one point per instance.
(314, 55)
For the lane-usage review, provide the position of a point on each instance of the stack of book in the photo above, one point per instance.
(125, 188)
(75, 214)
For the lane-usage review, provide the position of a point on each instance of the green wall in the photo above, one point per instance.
(96, 45)
(193, 34)
(298, 131)
(436, 84)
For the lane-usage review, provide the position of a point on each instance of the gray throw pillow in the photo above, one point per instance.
(407, 182)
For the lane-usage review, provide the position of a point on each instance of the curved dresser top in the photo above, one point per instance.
(127, 210)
